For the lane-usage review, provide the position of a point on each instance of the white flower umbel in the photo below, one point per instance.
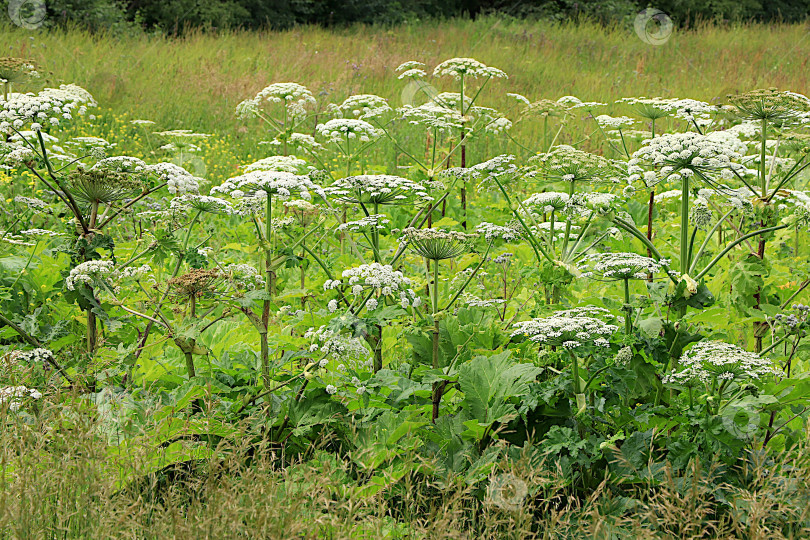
(677, 155)
(710, 361)
(288, 164)
(339, 130)
(51, 106)
(178, 180)
(368, 223)
(490, 231)
(382, 280)
(570, 328)
(294, 97)
(611, 122)
(244, 276)
(433, 116)
(568, 164)
(378, 189)
(466, 67)
(15, 396)
(364, 106)
(258, 184)
(437, 244)
(202, 203)
(88, 273)
(620, 265)
(547, 202)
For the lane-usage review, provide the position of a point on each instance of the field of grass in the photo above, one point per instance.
(196, 82)
(233, 388)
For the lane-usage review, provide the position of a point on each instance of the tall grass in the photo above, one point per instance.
(67, 483)
(195, 82)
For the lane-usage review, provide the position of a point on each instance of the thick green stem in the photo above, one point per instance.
(438, 388)
(628, 318)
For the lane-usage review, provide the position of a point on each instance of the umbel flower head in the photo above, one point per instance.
(16, 70)
(99, 185)
(570, 328)
(363, 106)
(201, 203)
(339, 130)
(294, 97)
(466, 67)
(258, 184)
(770, 104)
(620, 265)
(568, 164)
(195, 284)
(50, 106)
(709, 361)
(368, 223)
(289, 164)
(547, 202)
(437, 244)
(378, 189)
(433, 116)
(382, 279)
(676, 155)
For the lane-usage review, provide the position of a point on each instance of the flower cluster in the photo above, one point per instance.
(612, 122)
(568, 164)
(244, 276)
(201, 203)
(178, 180)
(678, 155)
(258, 184)
(339, 130)
(368, 223)
(547, 202)
(770, 104)
(15, 396)
(620, 265)
(288, 164)
(294, 96)
(378, 189)
(36, 356)
(382, 279)
(433, 116)
(51, 106)
(466, 67)
(700, 215)
(491, 231)
(411, 70)
(570, 328)
(709, 361)
(437, 244)
(364, 106)
(88, 273)
(340, 347)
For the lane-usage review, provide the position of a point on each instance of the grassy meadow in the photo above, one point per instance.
(128, 442)
(197, 81)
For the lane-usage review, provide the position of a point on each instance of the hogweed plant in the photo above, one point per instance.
(303, 270)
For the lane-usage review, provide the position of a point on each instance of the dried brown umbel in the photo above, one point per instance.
(193, 285)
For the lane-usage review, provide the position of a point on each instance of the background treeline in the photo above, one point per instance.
(173, 16)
